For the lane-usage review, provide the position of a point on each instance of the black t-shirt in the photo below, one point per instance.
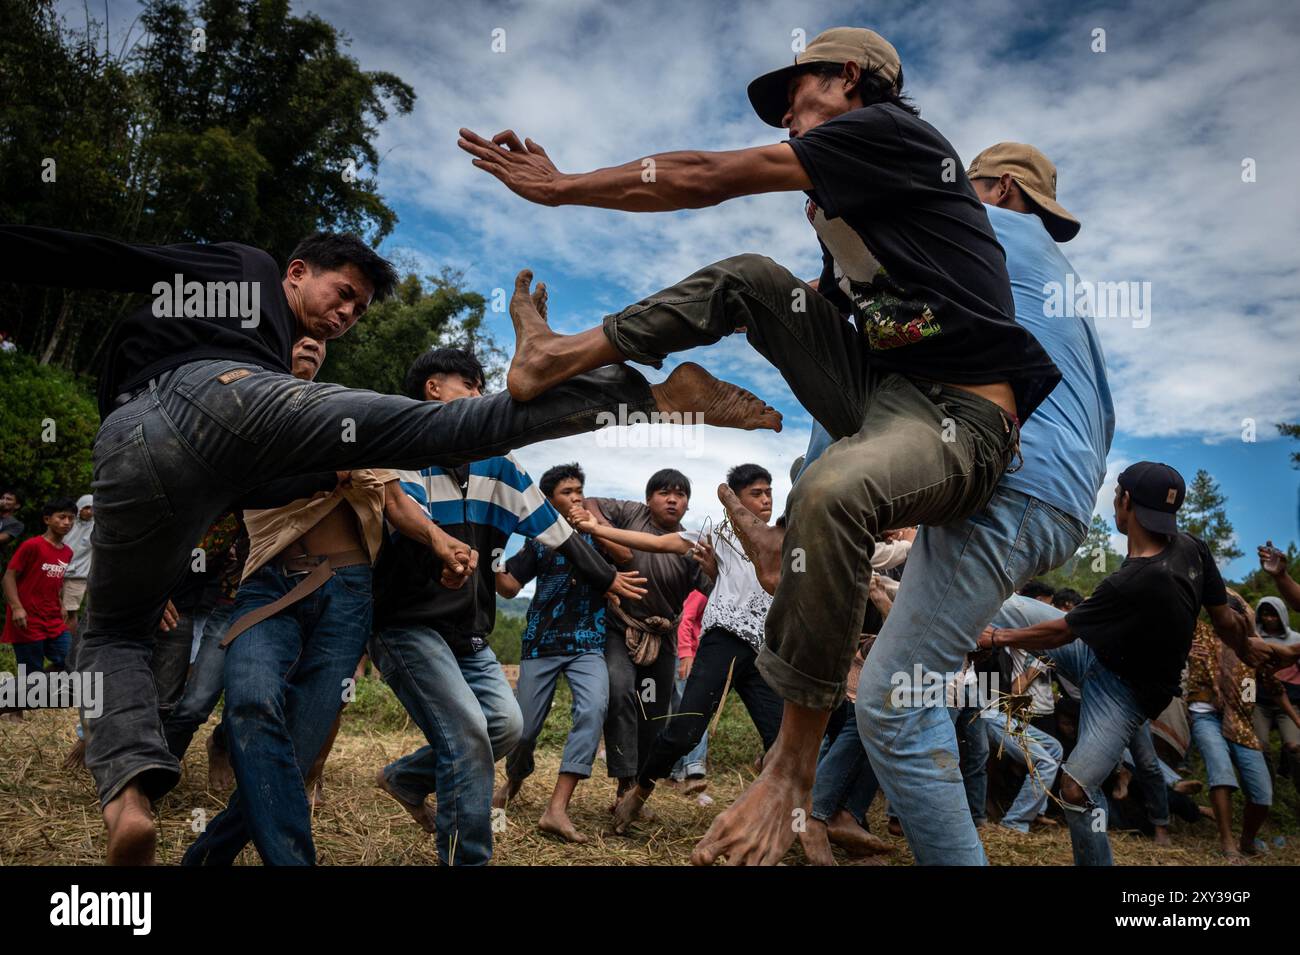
(144, 345)
(1141, 618)
(908, 249)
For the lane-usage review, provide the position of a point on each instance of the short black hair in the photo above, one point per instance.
(58, 506)
(442, 361)
(872, 86)
(1066, 595)
(561, 472)
(1035, 589)
(743, 475)
(333, 250)
(668, 479)
(8, 489)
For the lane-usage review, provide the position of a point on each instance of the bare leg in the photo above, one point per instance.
(542, 359)
(76, 758)
(1221, 802)
(816, 843)
(761, 542)
(131, 834)
(1252, 818)
(758, 828)
(419, 812)
(556, 819)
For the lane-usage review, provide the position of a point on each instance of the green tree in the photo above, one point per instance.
(423, 314)
(1095, 559)
(262, 136)
(1204, 514)
(1292, 431)
(48, 421)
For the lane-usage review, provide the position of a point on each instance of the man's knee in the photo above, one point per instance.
(750, 267)
(1072, 793)
(505, 727)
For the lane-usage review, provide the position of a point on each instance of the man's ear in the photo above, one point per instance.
(852, 73)
(296, 270)
(431, 390)
(1006, 189)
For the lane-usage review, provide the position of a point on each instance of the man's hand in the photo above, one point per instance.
(684, 665)
(1272, 560)
(345, 478)
(170, 618)
(582, 519)
(629, 584)
(1258, 652)
(19, 616)
(985, 641)
(459, 560)
(706, 556)
(524, 167)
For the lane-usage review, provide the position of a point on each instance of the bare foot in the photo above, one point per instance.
(761, 542)
(12, 716)
(221, 775)
(758, 827)
(417, 811)
(695, 785)
(845, 832)
(503, 794)
(895, 827)
(816, 843)
(1229, 851)
(628, 809)
(76, 758)
(1188, 787)
(558, 823)
(131, 833)
(529, 374)
(691, 389)
(1161, 836)
(317, 797)
(1121, 784)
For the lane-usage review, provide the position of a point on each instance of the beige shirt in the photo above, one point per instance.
(272, 530)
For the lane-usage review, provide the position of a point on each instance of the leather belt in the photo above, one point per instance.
(318, 568)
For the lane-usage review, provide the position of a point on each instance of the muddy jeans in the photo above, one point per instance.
(172, 458)
(906, 451)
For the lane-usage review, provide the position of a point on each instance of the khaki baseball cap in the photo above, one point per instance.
(1036, 175)
(769, 94)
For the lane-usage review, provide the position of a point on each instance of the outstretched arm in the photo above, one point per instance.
(1273, 561)
(1040, 636)
(637, 540)
(663, 182)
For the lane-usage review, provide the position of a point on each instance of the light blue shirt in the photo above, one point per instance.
(1066, 440)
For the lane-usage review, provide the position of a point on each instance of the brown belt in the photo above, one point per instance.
(319, 568)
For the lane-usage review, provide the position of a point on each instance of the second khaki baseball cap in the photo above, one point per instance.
(1035, 175)
(769, 94)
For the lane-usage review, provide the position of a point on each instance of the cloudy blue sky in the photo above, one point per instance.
(1149, 138)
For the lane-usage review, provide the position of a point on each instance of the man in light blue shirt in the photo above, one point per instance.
(958, 575)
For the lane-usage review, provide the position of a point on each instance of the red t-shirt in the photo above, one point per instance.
(40, 567)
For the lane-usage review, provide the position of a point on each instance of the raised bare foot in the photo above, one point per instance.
(528, 375)
(1121, 784)
(694, 785)
(132, 836)
(761, 542)
(502, 795)
(1161, 836)
(558, 823)
(628, 809)
(816, 843)
(221, 775)
(758, 828)
(691, 389)
(846, 833)
(1188, 787)
(417, 811)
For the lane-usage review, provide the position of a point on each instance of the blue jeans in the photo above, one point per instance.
(33, 655)
(1150, 775)
(957, 577)
(470, 718)
(1221, 754)
(1041, 761)
(694, 763)
(1109, 716)
(974, 761)
(285, 681)
(845, 779)
(203, 688)
(588, 681)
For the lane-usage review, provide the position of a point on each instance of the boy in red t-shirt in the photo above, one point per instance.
(33, 586)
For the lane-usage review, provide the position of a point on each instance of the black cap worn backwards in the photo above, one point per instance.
(1157, 492)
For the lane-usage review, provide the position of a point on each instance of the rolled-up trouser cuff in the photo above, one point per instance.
(625, 347)
(155, 780)
(797, 687)
(578, 769)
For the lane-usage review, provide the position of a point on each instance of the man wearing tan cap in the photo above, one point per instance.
(1035, 520)
(923, 397)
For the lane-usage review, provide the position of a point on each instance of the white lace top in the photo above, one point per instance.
(738, 602)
